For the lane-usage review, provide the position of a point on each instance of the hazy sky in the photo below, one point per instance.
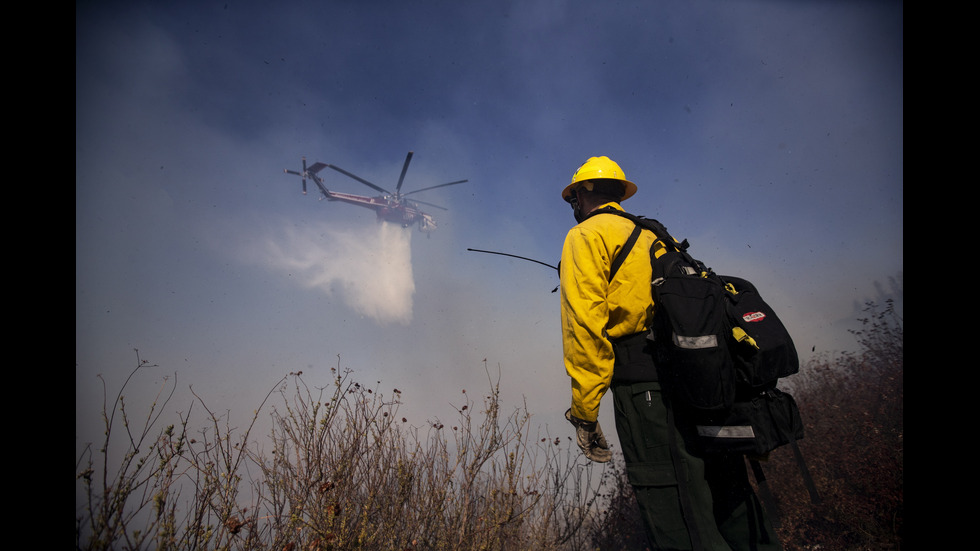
(768, 133)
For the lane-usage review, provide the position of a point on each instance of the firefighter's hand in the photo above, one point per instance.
(588, 435)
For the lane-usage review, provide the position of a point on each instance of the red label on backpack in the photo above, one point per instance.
(753, 316)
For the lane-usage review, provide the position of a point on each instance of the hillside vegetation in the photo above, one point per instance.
(342, 470)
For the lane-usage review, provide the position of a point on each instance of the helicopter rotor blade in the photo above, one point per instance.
(425, 203)
(434, 187)
(359, 179)
(401, 178)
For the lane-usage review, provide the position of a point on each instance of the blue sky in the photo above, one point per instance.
(768, 133)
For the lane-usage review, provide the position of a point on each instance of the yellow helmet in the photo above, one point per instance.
(600, 168)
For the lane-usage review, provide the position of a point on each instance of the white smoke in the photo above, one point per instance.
(370, 269)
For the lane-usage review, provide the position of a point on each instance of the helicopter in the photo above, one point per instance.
(390, 207)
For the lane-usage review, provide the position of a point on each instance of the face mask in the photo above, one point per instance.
(576, 207)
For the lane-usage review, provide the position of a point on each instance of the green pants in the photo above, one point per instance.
(721, 505)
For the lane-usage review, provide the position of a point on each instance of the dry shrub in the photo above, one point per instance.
(345, 471)
(852, 409)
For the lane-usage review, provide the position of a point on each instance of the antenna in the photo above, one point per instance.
(515, 256)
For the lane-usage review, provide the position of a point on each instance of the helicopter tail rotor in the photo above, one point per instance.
(309, 172)
(300, 174)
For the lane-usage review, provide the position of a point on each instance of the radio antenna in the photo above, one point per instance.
(515, 256)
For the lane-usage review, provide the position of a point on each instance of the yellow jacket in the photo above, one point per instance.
(595, 310)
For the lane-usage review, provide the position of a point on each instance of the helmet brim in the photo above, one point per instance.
(630, 190)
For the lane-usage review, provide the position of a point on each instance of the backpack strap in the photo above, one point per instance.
(811, 488)
(624, 252)
(664, 238)
(767, 499)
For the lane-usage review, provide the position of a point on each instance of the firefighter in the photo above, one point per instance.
(687, 500)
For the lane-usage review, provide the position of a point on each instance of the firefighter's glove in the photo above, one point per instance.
(588, 435)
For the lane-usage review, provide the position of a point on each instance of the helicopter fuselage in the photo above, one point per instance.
(387, 209)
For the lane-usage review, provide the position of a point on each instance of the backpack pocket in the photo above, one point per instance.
(763, 350)
(757, 426)
(690, 332)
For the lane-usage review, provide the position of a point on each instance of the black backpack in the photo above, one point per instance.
(719, 348)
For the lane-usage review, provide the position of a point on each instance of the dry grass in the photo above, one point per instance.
(344, 471)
